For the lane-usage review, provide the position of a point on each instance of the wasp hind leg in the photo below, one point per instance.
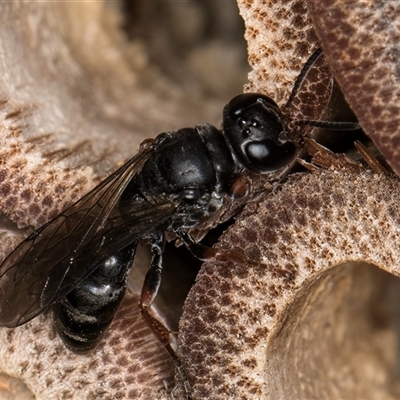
(150, 288)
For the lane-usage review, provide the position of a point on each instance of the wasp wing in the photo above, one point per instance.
(141, 221)
(34, 272)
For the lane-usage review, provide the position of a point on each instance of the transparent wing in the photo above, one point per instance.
(61, 253)
(119, 232)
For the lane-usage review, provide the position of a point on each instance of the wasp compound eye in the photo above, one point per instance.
(268, 157)
(255, 128)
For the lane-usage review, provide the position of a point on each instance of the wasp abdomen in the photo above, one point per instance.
(84, 315)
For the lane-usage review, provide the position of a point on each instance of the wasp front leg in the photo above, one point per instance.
(150, 288)
(205, 253)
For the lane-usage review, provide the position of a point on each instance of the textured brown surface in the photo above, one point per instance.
(280, 39)
(299, 323)
(313, 89)
(360, 39)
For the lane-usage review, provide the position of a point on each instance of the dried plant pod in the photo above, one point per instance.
(360, 43)
(308, 317)
(280, 39)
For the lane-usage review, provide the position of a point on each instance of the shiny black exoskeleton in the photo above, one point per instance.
(257, 133)
(78, 262)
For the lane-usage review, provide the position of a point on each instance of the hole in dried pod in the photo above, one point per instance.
(339, 338)
(14, 389)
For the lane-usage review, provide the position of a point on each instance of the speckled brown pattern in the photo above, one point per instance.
(280, 39)
(310, 96)
(360, 40)
(34, 188)
(237, 316)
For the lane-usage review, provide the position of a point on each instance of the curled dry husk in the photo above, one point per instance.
(314, 313)
(360, 43)
(311, 316)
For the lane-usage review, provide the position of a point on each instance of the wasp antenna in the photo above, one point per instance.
(334, 126)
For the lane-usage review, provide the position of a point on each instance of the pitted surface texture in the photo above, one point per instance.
(238, 315)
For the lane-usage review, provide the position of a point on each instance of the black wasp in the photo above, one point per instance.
(78, 262)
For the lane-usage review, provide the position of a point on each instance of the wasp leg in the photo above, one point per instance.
(150, 288)
(205, 253)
